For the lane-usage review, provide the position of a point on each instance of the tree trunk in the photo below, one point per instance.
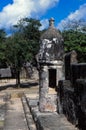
(18, 78)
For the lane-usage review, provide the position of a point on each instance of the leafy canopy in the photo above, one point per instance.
(75, 40)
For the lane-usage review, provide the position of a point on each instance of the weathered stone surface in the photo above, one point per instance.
(52, 32)
(66, 95)
(72, 96)
(43, 92)
(48, 120)
(51, 47)
(50, 65)
(15, 118)
(80, 90)
(5, 73)
(51, 121)
(54, 122)
(70, 58)
(49, 104)
(51, 50)
(30, 122)
(78, 71)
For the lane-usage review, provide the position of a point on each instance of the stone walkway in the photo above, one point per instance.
(47, 120)
(2, 110)
(15, 118)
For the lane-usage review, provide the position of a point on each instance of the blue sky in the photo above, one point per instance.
(62, 11)
(64, 8)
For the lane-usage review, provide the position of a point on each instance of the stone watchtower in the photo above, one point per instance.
(50, 60)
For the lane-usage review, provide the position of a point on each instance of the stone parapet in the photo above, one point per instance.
(72, 101)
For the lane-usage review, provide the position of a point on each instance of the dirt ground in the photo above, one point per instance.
(27, 85)
(9, 91)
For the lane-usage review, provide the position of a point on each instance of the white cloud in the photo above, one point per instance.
(23, 8)
(79, 14)
(45, 24)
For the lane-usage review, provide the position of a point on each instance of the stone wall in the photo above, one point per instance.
(72, 96)
(80, 91)
(78, 71)
(67, 101)
(72, 102)
(5, 73)
(69, 58)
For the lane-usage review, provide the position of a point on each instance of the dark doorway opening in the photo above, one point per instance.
(52, 78)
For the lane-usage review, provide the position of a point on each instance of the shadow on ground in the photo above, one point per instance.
(22, 85)
(28, 84)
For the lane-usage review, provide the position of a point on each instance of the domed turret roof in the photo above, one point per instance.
(51, 32)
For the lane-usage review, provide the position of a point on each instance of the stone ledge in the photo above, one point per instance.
(48, 120)
(28, 115)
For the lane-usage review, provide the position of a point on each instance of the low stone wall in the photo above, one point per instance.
(66, 101)
(80, 91)
(72, 101)
(78, 71)
(69, 58)
(72, 91)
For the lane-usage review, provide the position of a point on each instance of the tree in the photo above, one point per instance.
(75, 40)
(2, 40)
(2, 35)
(16, 52)
(23, 45)
(74, 34)
(29, 29)
(76, 25)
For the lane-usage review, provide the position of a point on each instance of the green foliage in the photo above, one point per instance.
(29, 31)
(75, 40)
(2, 35)
(76, 25)
(15, 51)
(22, 46)
(2, 46)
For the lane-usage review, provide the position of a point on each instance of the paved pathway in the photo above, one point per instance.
(15, 118)
(47, 120)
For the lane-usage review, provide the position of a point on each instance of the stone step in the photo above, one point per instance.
(28, 115)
